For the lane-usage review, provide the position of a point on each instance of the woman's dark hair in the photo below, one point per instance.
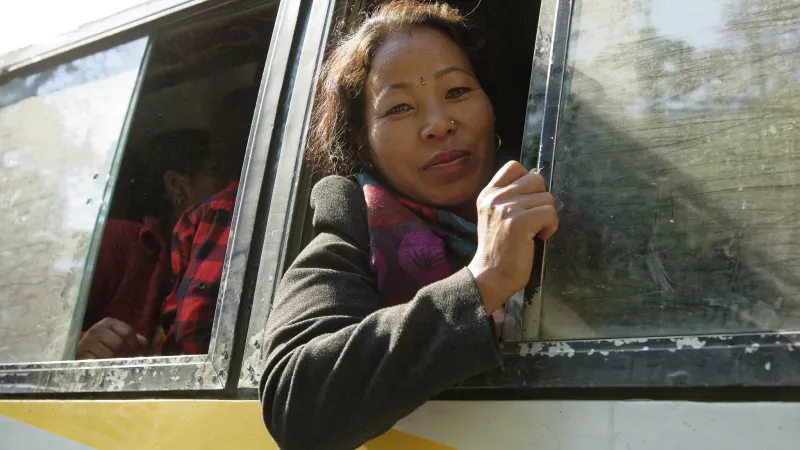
(337, 123)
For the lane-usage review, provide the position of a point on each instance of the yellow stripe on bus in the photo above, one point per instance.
(196, 424)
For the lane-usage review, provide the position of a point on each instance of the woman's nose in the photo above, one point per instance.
(438, 126)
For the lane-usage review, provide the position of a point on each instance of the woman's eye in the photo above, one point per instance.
(399, 109)
(456, 92)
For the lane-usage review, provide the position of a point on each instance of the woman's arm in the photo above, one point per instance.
(341, 369)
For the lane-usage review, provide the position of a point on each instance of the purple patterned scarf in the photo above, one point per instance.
(412, 245)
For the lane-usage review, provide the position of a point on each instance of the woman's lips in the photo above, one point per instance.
(447, 159)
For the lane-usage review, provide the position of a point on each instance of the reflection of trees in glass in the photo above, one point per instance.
(680, 172)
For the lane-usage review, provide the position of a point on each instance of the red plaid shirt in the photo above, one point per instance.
(199, 241)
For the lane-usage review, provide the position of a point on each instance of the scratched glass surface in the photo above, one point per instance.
(58, 137)
(678, 163)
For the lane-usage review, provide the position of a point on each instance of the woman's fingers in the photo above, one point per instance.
(525, 192)
(512, 210)
(541, 221)
(530, 201)
(509, 173)
(530, 183)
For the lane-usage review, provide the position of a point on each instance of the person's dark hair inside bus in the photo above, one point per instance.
(133, 270)
(420, 239)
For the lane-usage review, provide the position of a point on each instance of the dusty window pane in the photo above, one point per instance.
(677, 160)
(160, 263)
(58, 137)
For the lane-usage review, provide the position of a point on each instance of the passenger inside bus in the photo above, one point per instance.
(160, 261)
(199, 243)
(200, 237)
(155, 292)
(127, 290)
(420, 236)
(133, 271)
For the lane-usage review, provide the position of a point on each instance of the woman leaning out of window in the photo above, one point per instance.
(420, 238)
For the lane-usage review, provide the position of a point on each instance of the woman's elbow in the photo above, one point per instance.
(287, 414)
(291, 429)
(285, 434)
(277, 412)
(295, 418)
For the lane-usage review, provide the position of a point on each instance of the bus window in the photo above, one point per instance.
(120, 220)
(160, 264)
(677, 164)
(59, 133)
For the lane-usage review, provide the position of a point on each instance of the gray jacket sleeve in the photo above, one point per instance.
(341, 367)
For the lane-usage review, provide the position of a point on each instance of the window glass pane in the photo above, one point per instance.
(678, 163)
(161, 260)
(59, 131)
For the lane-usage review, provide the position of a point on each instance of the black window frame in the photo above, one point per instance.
(218, 370)
(289, 203)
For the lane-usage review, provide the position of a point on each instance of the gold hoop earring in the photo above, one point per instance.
(499, 142)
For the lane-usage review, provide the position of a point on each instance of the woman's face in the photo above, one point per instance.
(429, 124)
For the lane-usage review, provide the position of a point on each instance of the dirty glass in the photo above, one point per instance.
(162, 257)
(678, 164)
(59, 134)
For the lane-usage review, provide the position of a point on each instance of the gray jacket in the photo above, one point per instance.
(342, 367)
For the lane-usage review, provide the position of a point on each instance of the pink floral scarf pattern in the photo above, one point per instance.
(412, 245)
